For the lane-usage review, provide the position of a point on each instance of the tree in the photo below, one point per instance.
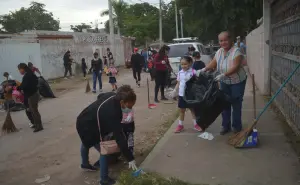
(119, 11)
(33, 18)
(80, 27)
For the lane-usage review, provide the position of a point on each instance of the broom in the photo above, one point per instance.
(88, 87)
(9, 125)
(239, 138)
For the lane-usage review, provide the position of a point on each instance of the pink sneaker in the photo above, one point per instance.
(197, 128)
(179, 128)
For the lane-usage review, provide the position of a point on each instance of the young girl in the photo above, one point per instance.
(184, 75)
(83, 67)
(112, 72)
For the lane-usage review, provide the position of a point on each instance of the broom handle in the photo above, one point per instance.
(278, 91)
(148, 91)
(254, 96)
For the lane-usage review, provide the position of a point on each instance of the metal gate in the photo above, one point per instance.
(285, 41)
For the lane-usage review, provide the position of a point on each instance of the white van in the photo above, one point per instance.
(180, 49)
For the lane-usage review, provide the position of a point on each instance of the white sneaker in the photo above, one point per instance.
(66, 78)
(31, 125)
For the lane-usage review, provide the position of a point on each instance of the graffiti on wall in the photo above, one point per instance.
(95, 39)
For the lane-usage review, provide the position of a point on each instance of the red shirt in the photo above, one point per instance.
(158, 63)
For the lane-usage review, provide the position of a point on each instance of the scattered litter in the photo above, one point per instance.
(206, 135)
(87, 182)
(43, 179)
(186, 144)
(168, 155)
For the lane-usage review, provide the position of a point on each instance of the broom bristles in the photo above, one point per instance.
(88, 87)
(9, 125)
(239, 138)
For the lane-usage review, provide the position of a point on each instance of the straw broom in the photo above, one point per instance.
(9, 125)
(88, 87)
(239, 138)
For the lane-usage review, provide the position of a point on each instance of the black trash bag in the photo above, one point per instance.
(202, 94)
(45, 89)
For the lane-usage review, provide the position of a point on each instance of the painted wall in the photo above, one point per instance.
(13, 53)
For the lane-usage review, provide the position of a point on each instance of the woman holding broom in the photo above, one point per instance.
(29, 86)
(232, 77)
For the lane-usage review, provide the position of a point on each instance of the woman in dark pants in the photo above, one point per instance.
(162, 66)
(29, 86)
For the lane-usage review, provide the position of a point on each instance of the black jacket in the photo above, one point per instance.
(96, 65)
(29, 84)
(137, 61)
(67, 60)
(110, 116)
(197, 65)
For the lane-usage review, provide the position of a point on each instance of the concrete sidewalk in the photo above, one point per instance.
(189, 158)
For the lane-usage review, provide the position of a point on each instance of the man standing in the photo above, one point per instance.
(110, 57)
(137, 62)
(68, 64)
(96, 69)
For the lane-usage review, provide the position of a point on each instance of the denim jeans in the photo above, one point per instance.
(97, 75)
(236, 93)
(84, 151)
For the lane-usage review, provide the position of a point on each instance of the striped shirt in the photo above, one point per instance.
(225, 63)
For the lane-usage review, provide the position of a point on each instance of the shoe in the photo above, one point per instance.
(156, 100)
(109, 181)
(179, 128)
(224, 131)
(100, 90)
(197, 128)
(31, 125)
(94, 91)
(65, 78)
(164, 99)
(88, 167)
(97, 164)
(38, 128)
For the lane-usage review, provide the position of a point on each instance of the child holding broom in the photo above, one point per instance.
(184, 75)
(112, 72)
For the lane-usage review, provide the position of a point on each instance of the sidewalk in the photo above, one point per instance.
(189, 158)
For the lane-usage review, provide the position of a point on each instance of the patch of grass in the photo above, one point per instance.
(126, 178)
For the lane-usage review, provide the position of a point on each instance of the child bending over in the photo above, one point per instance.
(184, 75)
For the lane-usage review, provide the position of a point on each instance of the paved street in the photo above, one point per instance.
(26, 156)
(187, 157)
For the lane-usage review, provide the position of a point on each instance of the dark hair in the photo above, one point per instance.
(83, 59)
(5, 74)
(96, 53)
(30, 64)
(193, 48)
(107, 49)
(25, 67)
(188, 59)
(196, 54)
(126, 93)
(68, 51)
(162, 51)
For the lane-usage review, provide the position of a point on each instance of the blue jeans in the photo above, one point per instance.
(236, 93)
(97, 75)
(84, 151)
(103, 168)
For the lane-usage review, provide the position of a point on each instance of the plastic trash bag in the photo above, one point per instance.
(206, 135)
(45, 89)
(202, 94)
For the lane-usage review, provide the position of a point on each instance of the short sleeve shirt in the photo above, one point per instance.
(225, 63)
(182, 77)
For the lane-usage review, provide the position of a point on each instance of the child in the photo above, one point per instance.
(129, 127)
(198, 64)
(34, 69)
(112, 72)
(184, 75)
(105, 60)
(83, 67)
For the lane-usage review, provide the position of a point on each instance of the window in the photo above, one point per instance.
(178, 50)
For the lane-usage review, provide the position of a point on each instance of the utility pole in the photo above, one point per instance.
(160, 24)
(111, 27)
(176, 18)
(181, 13)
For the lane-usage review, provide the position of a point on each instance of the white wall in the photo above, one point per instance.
(11, 54)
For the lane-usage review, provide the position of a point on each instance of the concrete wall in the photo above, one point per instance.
(258, 52)
(14, 52)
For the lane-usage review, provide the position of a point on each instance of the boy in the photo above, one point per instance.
(198, 64)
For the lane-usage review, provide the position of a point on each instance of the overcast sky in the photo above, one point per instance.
(69, 11)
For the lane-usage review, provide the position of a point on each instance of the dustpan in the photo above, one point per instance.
(150, 105)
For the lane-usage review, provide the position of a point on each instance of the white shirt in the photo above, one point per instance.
(182, 77)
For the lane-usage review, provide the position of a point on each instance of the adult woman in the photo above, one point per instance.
(29, 86)
(232, 77)
(108, 108)
(161, 66)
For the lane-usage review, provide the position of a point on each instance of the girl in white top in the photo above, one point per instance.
(183, 76)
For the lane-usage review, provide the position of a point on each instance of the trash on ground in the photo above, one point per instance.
(206, 135)
(43, 179)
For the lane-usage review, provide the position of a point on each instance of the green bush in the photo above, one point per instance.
(126, 178)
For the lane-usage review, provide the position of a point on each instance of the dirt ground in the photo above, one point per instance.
(26, 156)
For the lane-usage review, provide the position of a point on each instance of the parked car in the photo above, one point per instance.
(180, 49)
